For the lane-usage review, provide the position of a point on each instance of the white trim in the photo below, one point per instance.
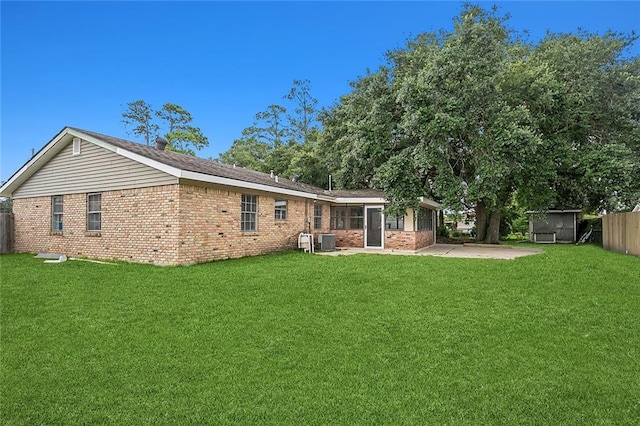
(430, 203)
(366, 225)
(356, 200)
(242, 184)
(38, 160)
(381, 200)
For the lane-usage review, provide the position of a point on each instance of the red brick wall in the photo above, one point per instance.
(166, 225)
(399, 240)
(138, 225)
(350, 238)
(210, 225)
(179, 224)
(408, 240)
(424, 239)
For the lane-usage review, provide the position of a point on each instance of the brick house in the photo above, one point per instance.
(91, 195)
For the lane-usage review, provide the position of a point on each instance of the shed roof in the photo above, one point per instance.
(553, 211)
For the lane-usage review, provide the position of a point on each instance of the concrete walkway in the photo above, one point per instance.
(478, 251)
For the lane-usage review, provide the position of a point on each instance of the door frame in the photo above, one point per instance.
(366, 226)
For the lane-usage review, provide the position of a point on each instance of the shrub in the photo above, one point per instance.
(442, 231)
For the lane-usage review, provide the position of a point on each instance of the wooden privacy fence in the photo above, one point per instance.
(621, 232)
(6, 233)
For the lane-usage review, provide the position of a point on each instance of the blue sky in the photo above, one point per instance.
(77, 63)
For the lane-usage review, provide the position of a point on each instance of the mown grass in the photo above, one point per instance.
(299, 339)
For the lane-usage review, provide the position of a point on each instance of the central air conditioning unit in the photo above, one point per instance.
(327, 242)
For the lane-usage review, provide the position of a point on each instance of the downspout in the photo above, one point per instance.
(307, 225)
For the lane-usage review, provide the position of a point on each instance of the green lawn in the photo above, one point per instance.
(299, 339)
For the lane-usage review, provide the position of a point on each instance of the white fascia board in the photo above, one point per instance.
(35, 163)
(378, 200)
(359, 200)
(328, 198)
(429, 202)
(243, 184)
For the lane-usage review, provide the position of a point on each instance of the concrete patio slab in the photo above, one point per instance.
(446, 250)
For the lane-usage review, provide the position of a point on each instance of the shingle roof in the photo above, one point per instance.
(204, 166)
(355, 193)
(181, 162)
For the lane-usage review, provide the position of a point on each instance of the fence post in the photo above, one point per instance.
(6, 233)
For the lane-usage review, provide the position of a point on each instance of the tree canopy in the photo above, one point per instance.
(181, 135)
(475, 117)
(282, 141)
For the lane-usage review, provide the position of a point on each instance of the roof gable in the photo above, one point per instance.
(173, 163)
(187, 167)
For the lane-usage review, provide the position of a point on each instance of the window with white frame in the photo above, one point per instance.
(249, 213)
(94, 212)
(57, 208)
(317, 216)
(280, 209)
(347, 217)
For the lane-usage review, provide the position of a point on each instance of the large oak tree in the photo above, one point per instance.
(475, 117)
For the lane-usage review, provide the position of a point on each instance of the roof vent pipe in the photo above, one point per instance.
(276, 178)
(271, 174)
(161, 144)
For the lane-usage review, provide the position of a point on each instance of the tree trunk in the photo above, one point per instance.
(487, 224)
(481, 221)
(440, 218)
(493, 230)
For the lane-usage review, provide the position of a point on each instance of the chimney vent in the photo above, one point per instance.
(161, 144)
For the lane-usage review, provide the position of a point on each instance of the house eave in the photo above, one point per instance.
(67, 134)
(359, 200)
(430, 203)
(36, 162)
(380, 200)
(243, 185)
(57, 144)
